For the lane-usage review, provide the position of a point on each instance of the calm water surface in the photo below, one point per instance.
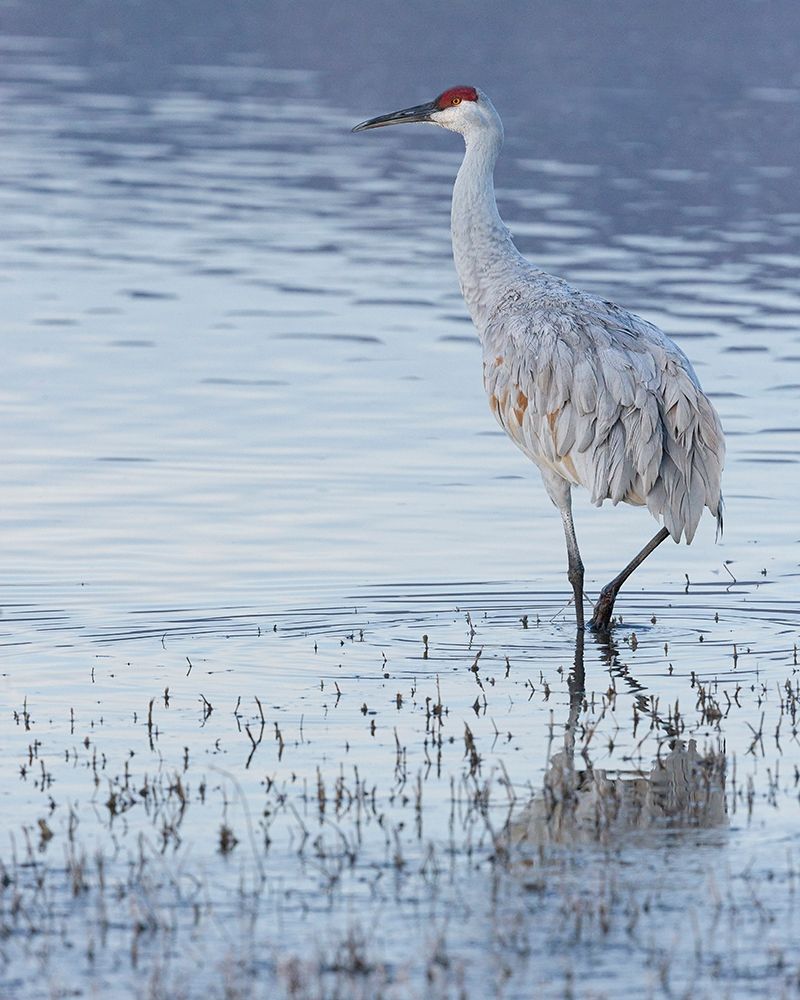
(248, 464)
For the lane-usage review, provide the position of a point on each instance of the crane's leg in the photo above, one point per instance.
(560, 492)
(601, 619)
(574, 561)
(561, 495)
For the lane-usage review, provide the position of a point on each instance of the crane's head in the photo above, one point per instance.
(460, 109)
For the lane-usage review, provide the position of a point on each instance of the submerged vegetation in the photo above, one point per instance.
(369, 803)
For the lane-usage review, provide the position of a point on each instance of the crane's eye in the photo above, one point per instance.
(455, 100)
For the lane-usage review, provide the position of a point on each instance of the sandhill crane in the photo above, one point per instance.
(594, 395)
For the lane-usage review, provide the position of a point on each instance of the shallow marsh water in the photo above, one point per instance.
(249, 468)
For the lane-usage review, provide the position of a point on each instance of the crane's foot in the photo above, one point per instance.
(604, 608)
(575, 576)
(579, 620)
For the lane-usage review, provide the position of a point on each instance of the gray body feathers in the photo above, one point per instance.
(603, 399)
(594, 395)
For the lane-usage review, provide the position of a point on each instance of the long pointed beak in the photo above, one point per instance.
(420, 113)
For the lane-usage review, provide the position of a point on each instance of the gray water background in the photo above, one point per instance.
(236, 356)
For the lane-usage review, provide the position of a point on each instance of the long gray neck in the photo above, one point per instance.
(486, 259)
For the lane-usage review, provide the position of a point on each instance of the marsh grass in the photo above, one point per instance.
(488, 810)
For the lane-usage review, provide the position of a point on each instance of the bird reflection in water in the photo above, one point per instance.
(583, 804)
